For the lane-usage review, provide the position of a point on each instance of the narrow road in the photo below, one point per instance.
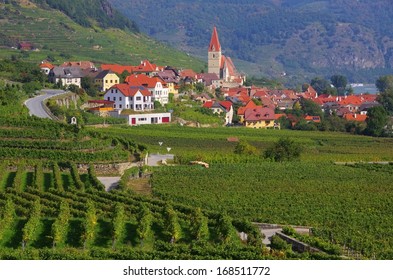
(109, 182)
(35, 104)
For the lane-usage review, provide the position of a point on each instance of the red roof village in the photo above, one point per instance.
(256, 107)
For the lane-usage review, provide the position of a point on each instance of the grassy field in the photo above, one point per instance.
(56, 35)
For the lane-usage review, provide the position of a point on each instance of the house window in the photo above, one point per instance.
(114, 106)
(106, 81)
(114, 98)
(109, 99)
(120, 106)
(127, 106)
(138, 98)
(120, 98)
(111, 81)
(111, 90)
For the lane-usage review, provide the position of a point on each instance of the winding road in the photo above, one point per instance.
(35, 104)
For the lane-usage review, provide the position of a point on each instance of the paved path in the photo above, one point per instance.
(270, 230)
(35, 104)
(109, 182)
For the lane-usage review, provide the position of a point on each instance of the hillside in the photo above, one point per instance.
(302, 38)
(54, 34)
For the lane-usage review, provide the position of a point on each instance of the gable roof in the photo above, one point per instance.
(146, 67)
(66, 72)
(259, 114)
(128, 90)
(214, 45)
(249, 105)
(143, 80)
(46, 65)
(119, 69)
(81, 64)
(355, 117)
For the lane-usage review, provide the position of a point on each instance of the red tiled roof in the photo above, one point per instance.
(352, 99)
(259, 114)
(208, 104)
(316, 119)
(46, 65)
(355, 117)
(226, 104)
(214, 42)
(249, 105)
(80, 64)
(119, 69)
(143, 80)
(145, 67)
(188, 73)
(128, 90)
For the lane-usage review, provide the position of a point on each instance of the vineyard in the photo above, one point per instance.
(345, 205)
(53, 212)
(33, 139)
(212, 145)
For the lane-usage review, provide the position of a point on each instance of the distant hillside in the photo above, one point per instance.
(80, 30)
(303, 38)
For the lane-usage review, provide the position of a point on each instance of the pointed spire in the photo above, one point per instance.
(214, 42)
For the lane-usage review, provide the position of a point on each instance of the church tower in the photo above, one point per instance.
(214, 54)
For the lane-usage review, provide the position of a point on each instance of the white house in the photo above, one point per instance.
(124, 96)
(155, 85)
(148, 118)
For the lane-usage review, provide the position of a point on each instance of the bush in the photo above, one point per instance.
(284, 150)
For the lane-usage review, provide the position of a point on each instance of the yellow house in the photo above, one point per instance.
(106, 79)
(172, 88)
(259, 118)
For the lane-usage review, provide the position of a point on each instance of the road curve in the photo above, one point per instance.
(35, 104)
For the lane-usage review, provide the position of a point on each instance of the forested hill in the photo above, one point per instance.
(299, 37)
(80, 30)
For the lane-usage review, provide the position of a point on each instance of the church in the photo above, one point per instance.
(220, 64)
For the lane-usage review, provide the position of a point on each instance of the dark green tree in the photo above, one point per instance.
(377, 118)
(340, 83)
(311, 108)
(384, 83)
(386, 99)
(283, 150)
(321, 85)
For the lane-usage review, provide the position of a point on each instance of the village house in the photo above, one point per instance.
(221, 107)
(171, 78)
(66, 76)
(46, 67)
(154, 85)
(125, 96)
(106, 79)
(147, 118)
(25, 46)
(259, 118)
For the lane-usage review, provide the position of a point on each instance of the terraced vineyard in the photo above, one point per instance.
(48, 214)
(56, 35)
(32, 139)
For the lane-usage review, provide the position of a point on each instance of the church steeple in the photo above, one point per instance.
(214, 54)
(214, 42)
